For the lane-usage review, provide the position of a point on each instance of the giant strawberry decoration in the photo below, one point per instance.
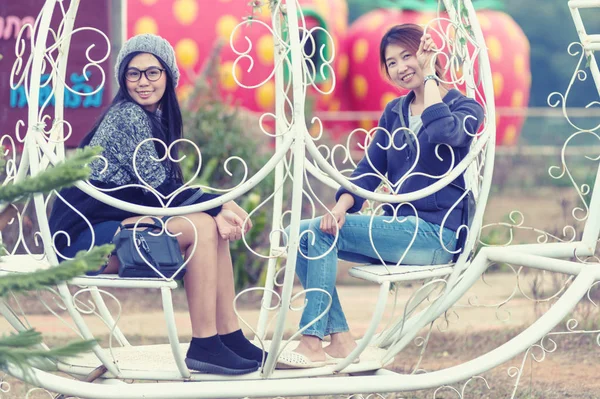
(507, 45)
(196, 28)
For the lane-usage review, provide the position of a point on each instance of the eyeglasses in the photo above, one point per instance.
(152, 74)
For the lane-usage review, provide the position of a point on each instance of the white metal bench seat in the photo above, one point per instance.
(21, 264)
(392, 273)
(28, 264)
(379, 273)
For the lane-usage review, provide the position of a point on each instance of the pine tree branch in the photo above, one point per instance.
(22, 339)
(16, 349)
(22, 349)
(22, 355)
(83, 262)
(62, 175)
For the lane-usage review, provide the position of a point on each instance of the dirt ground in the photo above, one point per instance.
(476, 326)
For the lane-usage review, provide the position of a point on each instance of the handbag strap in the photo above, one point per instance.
(156, 225)
(189, 201)
(141, 243)
(192, 198)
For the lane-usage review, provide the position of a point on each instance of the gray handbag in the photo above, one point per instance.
(136, 246)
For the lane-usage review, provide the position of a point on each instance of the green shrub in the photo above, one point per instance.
(221, 131)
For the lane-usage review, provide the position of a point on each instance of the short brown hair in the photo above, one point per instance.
(409, 37)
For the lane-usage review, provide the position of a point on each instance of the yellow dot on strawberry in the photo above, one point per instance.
(145, 25)
(519, 64)
(517, 99)
(186, 52)
(424, 19)
(322, 7)
(367, 124)
(185, 11)
(494, 48)
(341, 25)
(335, 105)
(498, 83)
(265, 50)
(265, 96)
(484, 21)
(326, 86)
(264, 13)
(360, 50)
(510, 135)
(314, 130)
(226, 77)
(225, 26)
(514, 31)
(374, 22)
(360, 86)
(343, 67)
(386, 98)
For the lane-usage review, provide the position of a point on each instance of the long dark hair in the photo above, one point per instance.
(409, 37)
(167, 128)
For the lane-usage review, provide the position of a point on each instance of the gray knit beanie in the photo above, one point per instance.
(153, 44)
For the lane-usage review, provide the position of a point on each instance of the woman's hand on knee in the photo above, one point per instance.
(229, 225)
(332, 221)
(238, 210)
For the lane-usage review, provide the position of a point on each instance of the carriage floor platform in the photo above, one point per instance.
(156, 362)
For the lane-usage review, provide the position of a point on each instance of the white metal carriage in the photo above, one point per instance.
(297, 159)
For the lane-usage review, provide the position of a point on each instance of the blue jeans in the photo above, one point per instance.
(354, 244)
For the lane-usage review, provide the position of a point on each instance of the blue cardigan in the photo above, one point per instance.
(443, 123)
(123, 128)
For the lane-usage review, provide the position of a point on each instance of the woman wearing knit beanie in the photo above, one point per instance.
(146, 108)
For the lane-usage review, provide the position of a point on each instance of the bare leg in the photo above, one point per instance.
(201, 275)
(221, 286)
(199, 241)
(341, 344)
(311, 347)
(227, 321)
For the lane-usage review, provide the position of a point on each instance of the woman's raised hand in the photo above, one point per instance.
(229, 225)
(427, 53)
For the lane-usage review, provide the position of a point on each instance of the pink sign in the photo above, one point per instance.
(80, 111)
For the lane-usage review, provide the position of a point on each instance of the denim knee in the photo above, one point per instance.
(319, 236)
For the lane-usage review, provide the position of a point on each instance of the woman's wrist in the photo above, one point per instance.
(428, 71)
(229, 205)
(345, 202)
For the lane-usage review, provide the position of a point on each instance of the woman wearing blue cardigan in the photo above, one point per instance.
(444, 123)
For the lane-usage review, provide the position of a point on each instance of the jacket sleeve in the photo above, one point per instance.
(364, 175)
(126, 127)
(455, 127)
